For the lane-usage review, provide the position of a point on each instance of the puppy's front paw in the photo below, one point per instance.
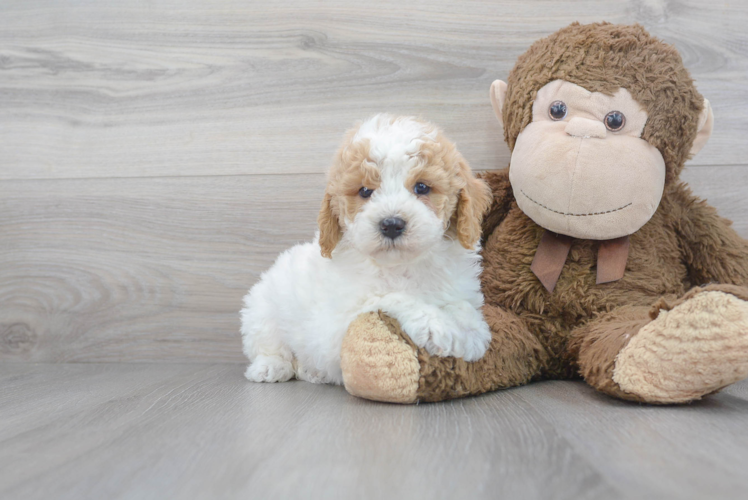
(476, 342)
(269, 369)
(432, 330)
(459, 342)
(472, 335)
(457, 330)
(441, 340)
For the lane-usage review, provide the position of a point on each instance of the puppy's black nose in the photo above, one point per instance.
(392, 227)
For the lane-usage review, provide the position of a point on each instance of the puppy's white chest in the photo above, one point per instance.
(410, 282)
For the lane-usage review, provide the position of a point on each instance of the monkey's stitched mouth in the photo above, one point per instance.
(573, 214)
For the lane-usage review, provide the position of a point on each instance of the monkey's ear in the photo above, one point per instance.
(474, 200)
(498, 93)
(706, 124)
(329, 227)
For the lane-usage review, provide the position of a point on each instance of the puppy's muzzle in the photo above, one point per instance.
(392, 227)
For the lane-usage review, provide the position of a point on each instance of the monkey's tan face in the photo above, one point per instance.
(581, 168)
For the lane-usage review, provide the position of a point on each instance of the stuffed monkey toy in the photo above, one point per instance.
(597, 261)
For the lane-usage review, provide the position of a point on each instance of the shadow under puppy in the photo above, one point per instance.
(398, 230)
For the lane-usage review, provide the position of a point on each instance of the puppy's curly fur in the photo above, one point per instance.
(426, 276)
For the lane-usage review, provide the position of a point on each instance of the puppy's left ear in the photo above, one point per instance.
(329, 227)
(474, 200)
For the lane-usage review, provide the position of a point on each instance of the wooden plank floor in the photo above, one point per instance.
(142, 431)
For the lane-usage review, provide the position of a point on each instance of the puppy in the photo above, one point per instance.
(398, 230)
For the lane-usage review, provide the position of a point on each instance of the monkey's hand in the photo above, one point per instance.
(712, 250)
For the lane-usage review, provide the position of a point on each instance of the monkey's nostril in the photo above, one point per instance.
(392, 227)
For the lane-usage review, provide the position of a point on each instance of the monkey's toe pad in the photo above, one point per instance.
(376, 363)
(697, 348)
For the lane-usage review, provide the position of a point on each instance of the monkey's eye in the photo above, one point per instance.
(615, 121)
(365, 192)
(421, 188)
(557, 111)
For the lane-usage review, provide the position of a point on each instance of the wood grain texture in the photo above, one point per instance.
(194, 431)
(695, 451)
(129, 269)
(131, 89)
(155, 268)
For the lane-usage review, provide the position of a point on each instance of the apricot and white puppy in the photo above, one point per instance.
(398, 231)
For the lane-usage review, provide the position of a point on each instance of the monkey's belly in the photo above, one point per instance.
(654, 269)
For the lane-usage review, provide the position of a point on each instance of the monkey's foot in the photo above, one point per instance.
(377, 364)
(695, 349)
(382, 363)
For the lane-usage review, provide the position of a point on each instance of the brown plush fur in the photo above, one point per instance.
(581, 327)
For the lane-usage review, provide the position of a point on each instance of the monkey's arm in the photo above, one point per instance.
(712, 250)
(501, 189)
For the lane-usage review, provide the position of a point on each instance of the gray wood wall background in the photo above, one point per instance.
(156, 156)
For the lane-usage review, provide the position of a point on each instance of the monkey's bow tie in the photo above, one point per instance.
(551, 256)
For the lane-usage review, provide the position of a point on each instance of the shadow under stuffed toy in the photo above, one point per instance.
(597, 260)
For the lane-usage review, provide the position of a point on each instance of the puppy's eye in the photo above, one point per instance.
(615, 120)
(365, 192)
(421, 188)
(558, 110)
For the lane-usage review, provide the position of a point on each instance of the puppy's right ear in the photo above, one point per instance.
(329, 227)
